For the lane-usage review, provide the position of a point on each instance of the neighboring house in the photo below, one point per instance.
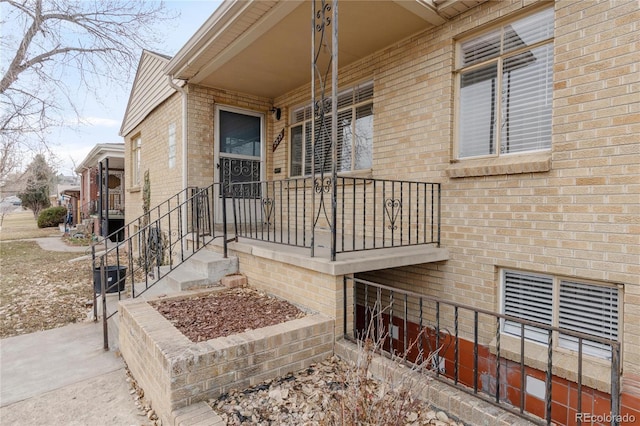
(105, 160)
(68, 196)
(524, 115)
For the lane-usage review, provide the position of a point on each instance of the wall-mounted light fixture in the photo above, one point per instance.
(277, 112)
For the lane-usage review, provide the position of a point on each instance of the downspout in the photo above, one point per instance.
(183, 93)
(185, 180)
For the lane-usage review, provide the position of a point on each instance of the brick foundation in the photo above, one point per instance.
(175, 372)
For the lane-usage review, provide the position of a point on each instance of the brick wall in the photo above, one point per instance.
(175, 372)
(309, 289)
(577, 216)
(154, 131)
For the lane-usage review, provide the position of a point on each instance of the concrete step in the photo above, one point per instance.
(186, 279)
(212, 264)
(203, 269)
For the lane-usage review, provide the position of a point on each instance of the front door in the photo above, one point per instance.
(239, 151)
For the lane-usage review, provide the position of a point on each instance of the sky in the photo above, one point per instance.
(102, 120)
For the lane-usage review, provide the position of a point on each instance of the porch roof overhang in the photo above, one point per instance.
(263, 47)
(114, 152)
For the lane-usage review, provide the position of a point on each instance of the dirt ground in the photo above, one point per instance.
(39, 289)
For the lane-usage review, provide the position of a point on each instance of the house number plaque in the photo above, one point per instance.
(278, 139)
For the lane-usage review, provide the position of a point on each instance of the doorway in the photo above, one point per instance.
(239, 152)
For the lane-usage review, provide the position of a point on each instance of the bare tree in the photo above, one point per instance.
(52, 50)
(5, 208)
(9, 157)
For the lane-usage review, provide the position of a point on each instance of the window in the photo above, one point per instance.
(355, 135)
(569, 304)
(505, 79)
(136, 145)
(172, 145)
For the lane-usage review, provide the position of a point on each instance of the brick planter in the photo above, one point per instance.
(175, 372)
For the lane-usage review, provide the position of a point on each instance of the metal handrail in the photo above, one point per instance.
(156, 244)
(406, 309)
(156, 211)
(89, 208)
(363, 214)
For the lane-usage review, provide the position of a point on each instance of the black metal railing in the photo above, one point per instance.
(88, 209)
(345, 215)
(155, 244)
(470, 351)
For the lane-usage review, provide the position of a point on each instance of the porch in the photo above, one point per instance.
(336, 218)
(346, 263)
(294, 238)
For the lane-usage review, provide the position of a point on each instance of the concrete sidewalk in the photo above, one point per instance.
(56, 244)
(64, 377)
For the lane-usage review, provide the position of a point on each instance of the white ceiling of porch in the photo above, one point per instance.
(264, 48)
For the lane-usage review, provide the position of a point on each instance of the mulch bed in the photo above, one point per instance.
(226, 312)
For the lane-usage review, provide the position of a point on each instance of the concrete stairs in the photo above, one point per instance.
(203, 269)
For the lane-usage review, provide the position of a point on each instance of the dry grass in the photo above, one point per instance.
(39, 289)
(22, 224)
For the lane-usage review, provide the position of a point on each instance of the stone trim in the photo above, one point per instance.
(503, 165)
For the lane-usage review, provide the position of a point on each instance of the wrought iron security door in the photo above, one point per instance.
(239, 151)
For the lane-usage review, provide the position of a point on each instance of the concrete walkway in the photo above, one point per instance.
(63, 376)
(56, 244)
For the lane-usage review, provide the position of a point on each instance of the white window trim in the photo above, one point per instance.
(136, 160)
(459, 70)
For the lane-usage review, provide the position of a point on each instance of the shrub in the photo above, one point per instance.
(51, 217)
(389, 399)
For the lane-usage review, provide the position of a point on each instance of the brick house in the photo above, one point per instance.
(109, 157)
(523, 114)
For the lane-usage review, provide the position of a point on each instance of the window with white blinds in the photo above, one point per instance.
(588, 309)
(530, 297)
(572, 305)
(505, 88)
(355, 135)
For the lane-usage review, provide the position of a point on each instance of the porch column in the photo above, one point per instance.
(324, 16)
